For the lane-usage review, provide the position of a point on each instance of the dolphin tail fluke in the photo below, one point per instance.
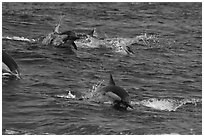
(111, 81)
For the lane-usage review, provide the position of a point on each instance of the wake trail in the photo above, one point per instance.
(17, 38)
(167, 104)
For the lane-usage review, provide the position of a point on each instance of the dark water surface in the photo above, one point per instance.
(164, 75)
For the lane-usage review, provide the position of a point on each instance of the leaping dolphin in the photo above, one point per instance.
(9, 66)
(69, 37)
(60, 39)
(121, 99)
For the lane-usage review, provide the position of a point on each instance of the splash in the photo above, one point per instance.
(95, 88)
(93, 93)
(69, 95)
(12, 132)
(89, 95)
(167, 104)
(119, 45)
(16, 132)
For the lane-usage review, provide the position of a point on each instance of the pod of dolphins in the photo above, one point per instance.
(119, 96)
(86, 39)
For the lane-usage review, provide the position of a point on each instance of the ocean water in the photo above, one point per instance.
(164, 79)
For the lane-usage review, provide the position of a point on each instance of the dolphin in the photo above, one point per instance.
(9, 66)
(60, 39)
(121, 99)
(69, 37)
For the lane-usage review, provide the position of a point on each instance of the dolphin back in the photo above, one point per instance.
(116, 90)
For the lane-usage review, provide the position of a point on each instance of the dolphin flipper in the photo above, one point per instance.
(130, 106)
(128, 50)
(74, 45)
(116, 98)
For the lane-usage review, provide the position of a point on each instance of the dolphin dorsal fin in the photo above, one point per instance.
(111, 81)
(92, 32)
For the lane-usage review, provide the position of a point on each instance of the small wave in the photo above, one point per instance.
(167, 104)
(15, 132)
(168, 134)
(16, 38)
(22, 132)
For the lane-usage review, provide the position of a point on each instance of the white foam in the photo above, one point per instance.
(69, 95)
(167, 104)
(18, 38)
